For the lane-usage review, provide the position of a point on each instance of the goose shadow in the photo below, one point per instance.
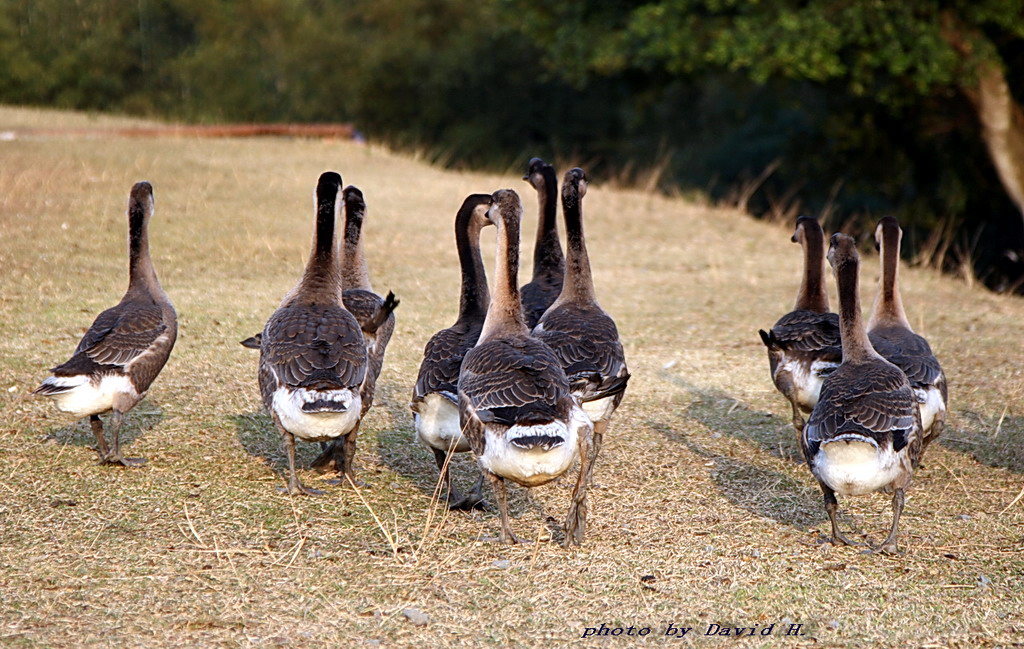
(260, 438)
(764, 492)
(134, 425)
(723, 414)
(997, 440)
(399, 449)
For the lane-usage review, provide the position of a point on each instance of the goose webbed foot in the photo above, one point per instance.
(832, 507)
(119, 460)
(343, 481)
(501, 496)
(889, 546)
(331, 457)
(575, 524)
(473, 500)
(296, 488)
(838, 538)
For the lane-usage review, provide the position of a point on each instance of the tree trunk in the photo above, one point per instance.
(1000, 116)
(1002, 128)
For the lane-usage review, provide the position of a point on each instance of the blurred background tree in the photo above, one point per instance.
(846, 108)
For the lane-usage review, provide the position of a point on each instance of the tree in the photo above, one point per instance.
(889, 52)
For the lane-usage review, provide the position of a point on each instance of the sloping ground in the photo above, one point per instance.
(702, 514)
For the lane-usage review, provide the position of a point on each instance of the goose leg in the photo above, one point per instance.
(294, 487)
(576, 519)
(350, 453)
(114, 456)
(937, 425)
(501, 496)
(328, 460)
(599, 429)
(798, 426)
(832, 507)
(101, 441)
(889, 544)
(440, 457)
(475, 498)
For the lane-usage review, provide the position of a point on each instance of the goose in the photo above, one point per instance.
(583, 337)
(864, 434)
(127, 345)
(313, 359)
(803, 346)
(515, 407)
(435, 398)
(375, 316)
(891, 334)
(548, 261)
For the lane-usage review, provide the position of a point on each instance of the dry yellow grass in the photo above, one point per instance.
(701, 515)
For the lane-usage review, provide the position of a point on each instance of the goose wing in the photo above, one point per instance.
(442, 360)
(586, 343)
(118, 336)
(874, 400)
(805, 331)
(539, 294)
(513, 381)
(306, 345)
(909, 352)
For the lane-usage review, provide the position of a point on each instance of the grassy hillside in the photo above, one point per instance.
(702, 513)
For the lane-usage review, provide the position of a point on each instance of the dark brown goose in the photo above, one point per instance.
(803, 346)
(548, 261)
(375, 316)
(891, 334)
(125, 348)
(582, 335)
(515, 407)
(865, 433)
(312, 354)
(435, 398)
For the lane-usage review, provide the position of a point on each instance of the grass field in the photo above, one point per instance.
(702, 513)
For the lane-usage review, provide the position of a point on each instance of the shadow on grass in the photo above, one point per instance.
(997, 441)
(400, 450)
(259, 437)
(135, 424)
(761, 491)
(723, 414)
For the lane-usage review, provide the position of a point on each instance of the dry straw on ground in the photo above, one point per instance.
(702, 513)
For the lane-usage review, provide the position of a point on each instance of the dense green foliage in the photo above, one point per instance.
(856, 106)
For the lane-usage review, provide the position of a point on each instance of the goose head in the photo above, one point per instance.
(804, 224)
(842, 251)
(477, 206)
(140, 199)
(574, 184)
(887, 230)
(355, 205)
(505, 208)
(535, 172)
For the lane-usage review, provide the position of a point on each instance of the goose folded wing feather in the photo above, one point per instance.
(118, 336)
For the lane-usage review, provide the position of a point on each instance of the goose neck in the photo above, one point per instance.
(355, 270)
(505, 311)
(812, 295)
(141, 274)
(888, 307)
(856, 345)
(474, 295)
(322, 277)
(547, 251)
(578, 284)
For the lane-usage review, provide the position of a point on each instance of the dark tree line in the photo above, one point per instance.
(852, 108)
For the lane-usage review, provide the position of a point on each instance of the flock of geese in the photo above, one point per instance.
(527, 378)
(876, 394)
